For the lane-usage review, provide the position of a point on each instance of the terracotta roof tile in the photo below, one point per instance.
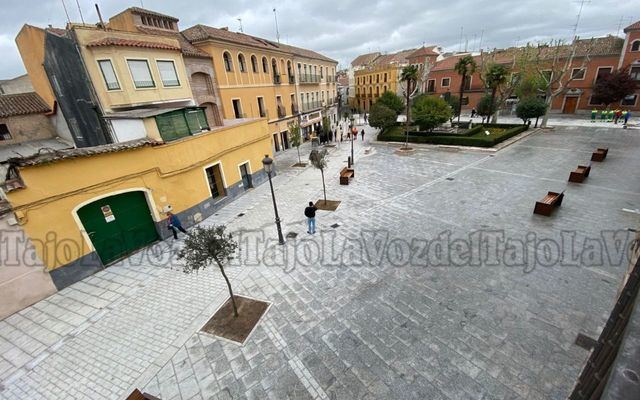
(399, 58)
(450, 62)
(633, 27)
(22, 104)
(131, 43)
(364, 59)
(187, 48)
(423, 51)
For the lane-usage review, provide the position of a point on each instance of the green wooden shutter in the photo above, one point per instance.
(202, 118)
(172, 125)
(192, 121)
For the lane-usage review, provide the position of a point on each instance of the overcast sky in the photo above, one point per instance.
(343, 29)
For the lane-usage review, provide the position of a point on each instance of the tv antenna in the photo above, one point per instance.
(80, 11)
(64, 6)
(275, 15)
(240, 20)
(575, 27)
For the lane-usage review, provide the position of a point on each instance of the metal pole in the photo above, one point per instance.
(275, 209)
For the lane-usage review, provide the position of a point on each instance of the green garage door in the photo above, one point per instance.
(118, 225)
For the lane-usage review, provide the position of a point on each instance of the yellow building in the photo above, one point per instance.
(372, 82)
(143, 107)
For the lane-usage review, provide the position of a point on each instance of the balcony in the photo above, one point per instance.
(312, 105)
(292, 79)
(276, 79)
(281, 111)
(331, 79)
(309, 78)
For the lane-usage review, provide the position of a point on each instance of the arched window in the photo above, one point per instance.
(241, 63)
(228, 64)
(254, 64)
(635, 46)
(274, 66)
(265, 65)
(289, 71)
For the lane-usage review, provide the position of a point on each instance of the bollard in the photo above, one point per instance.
(349, 162)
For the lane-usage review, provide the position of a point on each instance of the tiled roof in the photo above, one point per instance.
(198, 33)
(52, 155)
(139, 10)
(22, 104)
(399, 58)
(633, 27)
(450, 62)
(187, 48)
(57, 31)
(364, 59)
(423, 51)
(131, 43)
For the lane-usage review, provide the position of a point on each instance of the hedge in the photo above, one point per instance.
(465, 139)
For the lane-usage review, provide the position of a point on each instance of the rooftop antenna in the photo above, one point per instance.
(80, 11)
(66, 12)
(240, 20)
(460, 43)
(480, 43)
(99, 16)
(575, 27)
(141, 3)
(275, 15)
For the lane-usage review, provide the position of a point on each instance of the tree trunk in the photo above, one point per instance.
(406, 123)
(460, 100)
(548, 101)
(536, 125)
(233, 300)
(299, 160)
(494, 114)
(324, 189)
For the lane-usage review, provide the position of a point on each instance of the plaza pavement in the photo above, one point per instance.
(364, 309)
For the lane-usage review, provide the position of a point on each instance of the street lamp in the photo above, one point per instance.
(354, 135)
(267, 163)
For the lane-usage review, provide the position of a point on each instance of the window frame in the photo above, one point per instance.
(265, 65)
(448, 82)
(104, 78)
(631, 67)
(222, 177)
(227, 61)
(254, 64)
(242, 63)
(168, 60)
(610, 67)
(635, 101)
(146, 60)
(3, 134)
(637, 41)
(584, 73)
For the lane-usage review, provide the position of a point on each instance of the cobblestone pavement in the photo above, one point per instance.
(358, 313)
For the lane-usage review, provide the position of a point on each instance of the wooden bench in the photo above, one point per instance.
(579, 174)
(599, 154)
(138, 395)
(548, 203)
(345, 175)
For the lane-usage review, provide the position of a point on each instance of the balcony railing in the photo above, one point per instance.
(331, 79)
(309, 78)
(276, 79)
(292, 79)
(312, 105)
(281, 112)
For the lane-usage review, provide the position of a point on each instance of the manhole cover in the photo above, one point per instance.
(450, 179)
(585, 342)
(335, 225)
(240, 215)
(291, 235)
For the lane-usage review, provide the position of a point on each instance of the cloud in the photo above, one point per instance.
(343, 29)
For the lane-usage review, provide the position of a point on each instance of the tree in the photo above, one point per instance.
(531, 107)
(613, 87)
(494, 77)
(205, 245)
(381, 116)
(430, 112)
(318, 159)
(485, 107)
(391, 101)
(295, 137)
(409, 76)
(465, 67)
(530, 85)
(326, 127)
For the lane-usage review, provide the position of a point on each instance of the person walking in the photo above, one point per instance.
(594, 114)
(626, 117)
(365, 118)
(362, 134)
(310, 213)
(174, 225)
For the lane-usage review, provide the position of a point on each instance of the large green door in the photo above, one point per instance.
(118, 225)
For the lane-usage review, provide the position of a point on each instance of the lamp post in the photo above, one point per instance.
(267, 163)
(354, 134)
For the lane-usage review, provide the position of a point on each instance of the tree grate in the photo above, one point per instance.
(585, 342)
(335, 225)
(292, 235)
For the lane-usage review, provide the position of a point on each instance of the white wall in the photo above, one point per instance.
(128, 129)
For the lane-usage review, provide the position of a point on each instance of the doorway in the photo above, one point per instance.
(276, 142)
(285, 140)
(570, 104)
(246, 176)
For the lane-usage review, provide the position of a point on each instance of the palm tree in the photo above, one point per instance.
(466, 66)
(409, 76)
(494, 77)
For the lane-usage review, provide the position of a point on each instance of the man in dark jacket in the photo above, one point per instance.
(310, 213)
(174, 225)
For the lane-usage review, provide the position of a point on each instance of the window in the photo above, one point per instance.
(254, 64)
(109, 74)
(228, 64)
(181, 123)
(321, 72)
(634, 72)
(594, 102)
(578, 73)
(237, 108)
(547, 75)
(602, 72)
(4, 132)
(629, 100)
(265, 65)
(431, 85)
(446, 82)
(635, 46)
(385, 76)
(467, 83)
(141, 74)
(241, 63)
(261, 109)
(168, 73)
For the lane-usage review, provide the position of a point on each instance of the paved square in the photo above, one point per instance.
(416, 294)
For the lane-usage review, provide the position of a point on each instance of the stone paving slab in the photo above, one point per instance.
(360, 320)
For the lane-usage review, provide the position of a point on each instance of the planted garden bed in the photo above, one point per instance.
(475, 137)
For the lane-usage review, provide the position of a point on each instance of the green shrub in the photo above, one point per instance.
(381, 116)
(473, 137)
(430, 112)
(392, 101)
